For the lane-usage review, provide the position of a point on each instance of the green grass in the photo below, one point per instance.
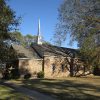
(7, 93)
(66, 89)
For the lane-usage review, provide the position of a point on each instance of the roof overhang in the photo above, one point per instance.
(24, 58)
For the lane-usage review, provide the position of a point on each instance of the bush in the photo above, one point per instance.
(15, 74)
(96, 71)
(27, 76)
(11, 74)
(6, 75)
(40, 74)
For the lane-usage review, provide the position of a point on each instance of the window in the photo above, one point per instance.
(53, 68)
(62, 68)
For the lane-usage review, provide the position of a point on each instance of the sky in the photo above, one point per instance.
(33, 10)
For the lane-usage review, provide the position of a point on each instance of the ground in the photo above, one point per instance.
(85, 88)
(7, 93)
(10, 90)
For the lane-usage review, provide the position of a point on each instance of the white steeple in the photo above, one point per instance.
(39, 37)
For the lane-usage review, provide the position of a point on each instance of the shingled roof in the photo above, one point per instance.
(46, 49)
(38, 51)
(23, 52)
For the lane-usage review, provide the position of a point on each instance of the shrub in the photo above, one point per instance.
(96, 71)
(40, 74)
(27, 76)
(6, 75)
(15, 73)
(11, 74)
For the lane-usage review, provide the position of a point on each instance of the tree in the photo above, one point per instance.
(29, 39)
(8, 19)
(82, 19)
(8, 22)
(6, 53)
(17, 37)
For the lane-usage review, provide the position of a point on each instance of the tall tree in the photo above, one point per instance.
(8, 22)
(82, 19)
(8, 19)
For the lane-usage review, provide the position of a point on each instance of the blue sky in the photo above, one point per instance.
(32, 10)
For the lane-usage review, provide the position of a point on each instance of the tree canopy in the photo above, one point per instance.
(8, 22)
(8, 19)
(81, 19)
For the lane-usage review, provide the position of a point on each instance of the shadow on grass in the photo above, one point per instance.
(65, 89)
(8, 93)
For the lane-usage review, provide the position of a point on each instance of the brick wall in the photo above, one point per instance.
(61, 69)
(57, 62)
(30, 66)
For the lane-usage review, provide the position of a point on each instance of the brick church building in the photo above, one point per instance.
(53, 60)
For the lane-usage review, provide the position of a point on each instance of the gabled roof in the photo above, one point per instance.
(50, 50)
(38, 51)
(23, 52)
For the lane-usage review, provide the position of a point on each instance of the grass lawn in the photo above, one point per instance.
(66, 89)
(7, 93)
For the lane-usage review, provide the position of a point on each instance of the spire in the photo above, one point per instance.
(39, 27)
(39, 37)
